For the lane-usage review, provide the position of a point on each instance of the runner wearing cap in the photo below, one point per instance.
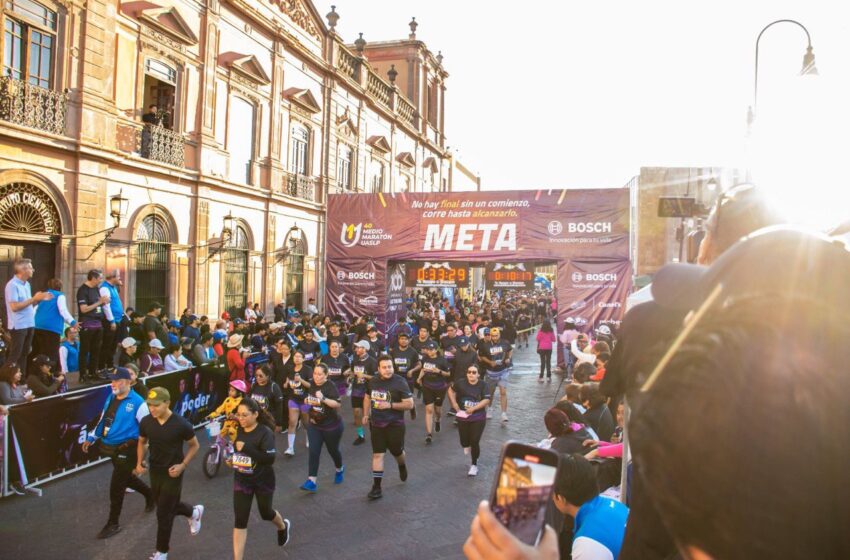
(387, 397)
(363, 367)
(164, 432)
(470, 397)
(434, 377)
(496, 357)
(406, 363)
(375, 340)
(117, 433)
(297, 382)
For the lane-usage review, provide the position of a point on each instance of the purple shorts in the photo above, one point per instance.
(341, 387)
(304, 408)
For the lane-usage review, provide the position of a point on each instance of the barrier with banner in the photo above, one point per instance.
(43, 438)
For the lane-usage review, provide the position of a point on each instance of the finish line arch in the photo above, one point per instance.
(584, 231)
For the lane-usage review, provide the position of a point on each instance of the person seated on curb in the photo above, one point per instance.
(41, 381)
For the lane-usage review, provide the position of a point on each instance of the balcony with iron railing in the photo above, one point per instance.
(33, 106)
(161, 144)
(299, 186)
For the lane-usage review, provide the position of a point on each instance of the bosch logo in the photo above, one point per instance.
(589, 227)
(341, 275)
(362, 275)
(555, 228)
(577, 277)
(601, 277)
(604, 305)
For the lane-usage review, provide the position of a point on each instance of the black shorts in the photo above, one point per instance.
(433, 396)
(387, 438)
(356, 402)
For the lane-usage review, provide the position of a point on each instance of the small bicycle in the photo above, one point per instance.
(220, 449)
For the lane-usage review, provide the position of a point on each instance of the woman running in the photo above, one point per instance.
(268, 395)
(325, 426)
(253, 475)
(470, 398)
(297, 381)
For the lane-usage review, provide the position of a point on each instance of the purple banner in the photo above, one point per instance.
(592, 292)
(356, 287)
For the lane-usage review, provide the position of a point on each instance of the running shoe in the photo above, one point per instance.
(159, 556)
(109, 530)
(437, 425)
(540, 380)
(289, 451)
(489, 414)
(309, 486)
(359, 441)
(284, 534)
(473, 471)
(451, 412)
(339, 476)
(428, 439)
(195, 520)
(413, 413)
(150, 504)
(402, 472)
(504, 417)
(374, 493)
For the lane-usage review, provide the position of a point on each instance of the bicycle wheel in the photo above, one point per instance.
(211, 464)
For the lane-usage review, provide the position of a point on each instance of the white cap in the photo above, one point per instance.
(128, 342)
(156, 343)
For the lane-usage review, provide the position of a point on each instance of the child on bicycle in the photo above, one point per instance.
(237, 391)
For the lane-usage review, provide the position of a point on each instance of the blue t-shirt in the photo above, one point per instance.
(600, 526)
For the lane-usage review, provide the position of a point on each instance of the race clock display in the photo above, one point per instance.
(446, 274)
(513, 275)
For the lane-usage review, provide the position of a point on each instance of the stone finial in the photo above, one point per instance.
(413, 25)
(333, 18)
(392, 74)
(439, 57)
(360, 44)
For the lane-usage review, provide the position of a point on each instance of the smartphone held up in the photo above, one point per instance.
(523, 488)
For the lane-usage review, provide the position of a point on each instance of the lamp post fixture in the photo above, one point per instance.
(226, 235)
(118, 206)
(808, 69)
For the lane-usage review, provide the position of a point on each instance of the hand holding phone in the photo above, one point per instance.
(490, 539)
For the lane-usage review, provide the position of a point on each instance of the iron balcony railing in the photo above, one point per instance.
(33, 106)
(162, 144)
(300, 186)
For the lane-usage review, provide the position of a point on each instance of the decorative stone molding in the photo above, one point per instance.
(169, 22)
(406, 158)
(298, 13)
(379, 143)
(246, 66)
(304, 99)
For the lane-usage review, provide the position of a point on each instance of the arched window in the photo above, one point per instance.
(343, 173)
(296, 251)
(240, 139)
(152, 250)
(236, 273)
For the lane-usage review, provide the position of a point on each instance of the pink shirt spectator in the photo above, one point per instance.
(545, 340)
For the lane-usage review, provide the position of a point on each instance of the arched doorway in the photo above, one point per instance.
(296, 251)
(152, 255)
(30, 227)
(236, 273)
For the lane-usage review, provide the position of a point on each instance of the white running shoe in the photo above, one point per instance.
(466, 451)
(307, 443)
(473, 471)
(489, 413)
(195, 520)
(159, 556)
(289, 451)
(504, 417)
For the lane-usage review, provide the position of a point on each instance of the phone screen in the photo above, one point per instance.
(523, 492)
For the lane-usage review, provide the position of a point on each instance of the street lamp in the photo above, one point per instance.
(808, 69)
(226, 236)
(118, 207)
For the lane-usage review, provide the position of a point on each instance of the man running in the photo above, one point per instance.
(496, 357)
(362, 369)
(337, 364)
(434, 378)
(387, 398)
(406, 363)
(165, 433)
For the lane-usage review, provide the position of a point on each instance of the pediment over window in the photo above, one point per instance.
(379, 143)
(406, 158)
(345, 125)
(303, 98)
(170, 22)
(431, 163)
(246, 65)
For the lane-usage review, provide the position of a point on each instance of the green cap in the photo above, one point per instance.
(158, 395)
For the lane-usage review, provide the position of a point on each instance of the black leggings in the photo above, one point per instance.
(242, 507)
(123, 464)
(166, 491)
(545, 362)
(470, 436)
(90, 342)
(317, 438)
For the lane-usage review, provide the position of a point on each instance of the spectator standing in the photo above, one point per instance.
(545, 340)
(192, 329)
(69, 352)
(311, 307)
(112, 320)
(91, 304)
(203, 352)
(236, 357)
(20, 310)
(250, 314)
(152, 327)
(50, 319)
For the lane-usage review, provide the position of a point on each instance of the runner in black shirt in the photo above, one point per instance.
(310, 348)
(496, 359)
(465, 357)
(268, 395)
(470, 397)
(387, 398)
(376, 342)
(253, 474)
(165, 433)
(449, 343)
(337, 364)
(406, 363)
(297, 381)
(325, 426)
(363, 368)
(337, 335)
(434, 377)
(282, 363)
(420, 341)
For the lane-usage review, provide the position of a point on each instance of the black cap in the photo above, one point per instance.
(430, 345)
(774, 260)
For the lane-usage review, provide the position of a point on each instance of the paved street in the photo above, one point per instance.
(426, 517)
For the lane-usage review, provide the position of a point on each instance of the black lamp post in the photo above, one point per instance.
(118, 206)
(808, 69)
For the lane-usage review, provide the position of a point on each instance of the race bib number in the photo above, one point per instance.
(313, 401)
(334, 372)
(379, 396)
(243, 463)
(308, 357)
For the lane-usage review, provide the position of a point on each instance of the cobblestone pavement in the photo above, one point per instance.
(427, 517)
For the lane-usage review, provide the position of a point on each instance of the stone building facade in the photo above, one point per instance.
(214, 131)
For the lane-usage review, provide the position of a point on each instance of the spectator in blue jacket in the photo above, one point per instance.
(51, 316)
(112, 328)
